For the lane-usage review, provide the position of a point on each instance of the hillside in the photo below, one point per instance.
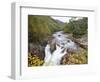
(40, 27)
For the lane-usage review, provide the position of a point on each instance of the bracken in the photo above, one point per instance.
(34, 60)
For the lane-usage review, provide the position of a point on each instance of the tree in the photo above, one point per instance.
(77, 27)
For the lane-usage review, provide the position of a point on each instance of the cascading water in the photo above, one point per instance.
(63, 43)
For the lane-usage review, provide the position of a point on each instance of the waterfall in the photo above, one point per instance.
(63, 43)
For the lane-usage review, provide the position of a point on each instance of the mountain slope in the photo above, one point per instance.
(40, 27)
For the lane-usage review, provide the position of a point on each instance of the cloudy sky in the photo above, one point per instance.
(64, 19)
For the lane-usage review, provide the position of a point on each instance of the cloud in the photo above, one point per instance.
(63, 19)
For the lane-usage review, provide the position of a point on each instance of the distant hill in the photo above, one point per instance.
(60, 22)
